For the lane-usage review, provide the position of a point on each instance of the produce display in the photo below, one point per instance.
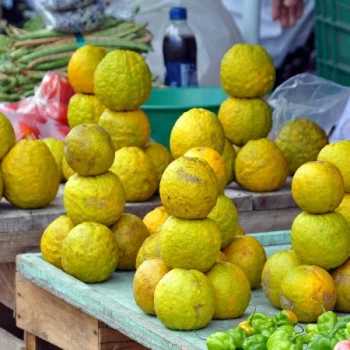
(193, 263)
(281, 331)
(26, 56)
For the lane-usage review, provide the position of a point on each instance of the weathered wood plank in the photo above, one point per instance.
(7, 284)
(110, 339)
(13, 243)
(10, 342)
(44, 315)
(267, 220)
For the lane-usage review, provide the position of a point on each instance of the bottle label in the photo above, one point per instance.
(180, 74)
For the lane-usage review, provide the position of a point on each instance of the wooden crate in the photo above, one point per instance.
(54, 306)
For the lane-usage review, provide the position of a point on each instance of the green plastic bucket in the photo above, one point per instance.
(166, 105)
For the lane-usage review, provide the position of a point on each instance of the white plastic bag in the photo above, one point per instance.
(212, 25)
(71, 16)
(310, 96)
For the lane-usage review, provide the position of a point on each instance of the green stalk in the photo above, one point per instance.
(43, 33)
(50, 51)
(49, 58)
(4, 97)
(119, 44)
(52, 65)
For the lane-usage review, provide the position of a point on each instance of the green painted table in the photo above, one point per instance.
(43, 291)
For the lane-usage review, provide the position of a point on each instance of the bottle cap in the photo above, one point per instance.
(178, 13)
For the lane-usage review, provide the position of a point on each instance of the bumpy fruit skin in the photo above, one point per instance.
(122, 80)
(126, 128)
(160, 156)
(188, 188)
(260, 166)
(30, 173)
(84, 109)
(322, 240)
(184, 300)
(90, 252)
(232, 290)
(197, 127)
(305, 289)
(53, 237)
(225, 216)
(57, 149)
(276, 267)
(247, 71)
(150, 249)
(318, 187)
(82, 66)
(89, 149)
(341, 276)
(136, 172)
(338, 153)
(215, 160)
(249, 254)
(300, 140)
(145, 281)
(98, 198)
(190, 244)
(344, 207)
(245, 119)
(130, 232)
(7, 136)
(155, 218)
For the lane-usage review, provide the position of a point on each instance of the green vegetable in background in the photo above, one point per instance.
(238, 335)
(255, 342)
(220, 341)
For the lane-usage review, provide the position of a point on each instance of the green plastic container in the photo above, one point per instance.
(332, 31)
(166, 105)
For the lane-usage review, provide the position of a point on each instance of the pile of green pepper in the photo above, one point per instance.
(279, 332)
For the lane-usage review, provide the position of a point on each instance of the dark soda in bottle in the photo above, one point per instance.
(179, 51)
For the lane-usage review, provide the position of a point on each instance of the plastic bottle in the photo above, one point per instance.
(179, 51)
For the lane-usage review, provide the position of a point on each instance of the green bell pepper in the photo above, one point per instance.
(347, 330)
(321, 341)
(260, 321)
(282, 334)
(238, 335)
(220, 341)
(255, 342)
(269, 331)
(285, 317)
(341, 334)
(327, 321)
(248, 328)
(311, 328)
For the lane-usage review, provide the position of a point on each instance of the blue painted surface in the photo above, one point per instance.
(112, 301)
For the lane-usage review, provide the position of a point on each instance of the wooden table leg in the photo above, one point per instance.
(7, 284)
(30, 340)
